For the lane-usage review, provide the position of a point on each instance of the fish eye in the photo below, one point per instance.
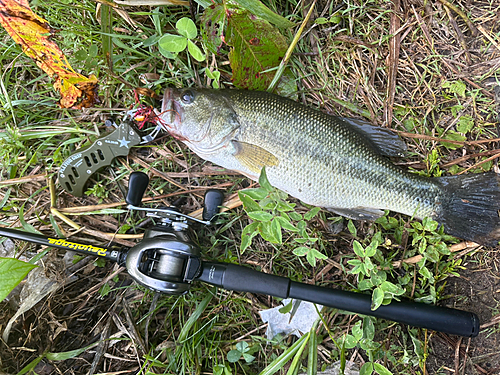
(187, 97)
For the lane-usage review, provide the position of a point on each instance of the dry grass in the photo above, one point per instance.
(386, 61)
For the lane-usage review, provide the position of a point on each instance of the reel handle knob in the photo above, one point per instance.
(213, 199)
(137, 185)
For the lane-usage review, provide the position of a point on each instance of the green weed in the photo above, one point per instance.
(271, 212)
(341, 64)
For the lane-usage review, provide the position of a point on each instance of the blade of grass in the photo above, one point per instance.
(293, 369)
(28, 227)
(194, 317)
(107, 43)
(5, 198)
(312, 359)
(288, 55)
(30, 366)
(279, 362)
(37, 132)
(69, 354)
(260, 10)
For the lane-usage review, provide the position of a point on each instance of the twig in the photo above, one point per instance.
(22, 180)
(458, 11)
(201, 174)
(251, 332)
(103, 342)
(480, 163)
(453, 248)
(394, 47)
(119, 238)
(466, 355)
(457, 354)
(460, 36)
(85, 209)
(424, 28)
(430, 138)
(156, 172)
(134, 334)
(488, 36)
(454, 70)
(492, 322)
(98, 286)
(469, 156)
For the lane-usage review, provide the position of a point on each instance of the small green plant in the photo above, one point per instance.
(362, 335)
(455, 87)
(432, 160)
(465, 124)
(170, 45)
(242, 350)
(271, 212)
(98, 190)
(376, 271)
(214, 76)
(370, 276)
(221, 370)
(335, 19)
(12, 272)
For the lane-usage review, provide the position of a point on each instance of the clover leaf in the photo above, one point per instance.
(171, 44)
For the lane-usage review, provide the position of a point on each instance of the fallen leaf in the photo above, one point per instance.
(213, 24)
(257, 46)
(152, 3)
(33, 34)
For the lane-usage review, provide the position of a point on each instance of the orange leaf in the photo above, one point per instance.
(33, 34)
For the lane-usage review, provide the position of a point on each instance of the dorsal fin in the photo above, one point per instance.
(384, 141)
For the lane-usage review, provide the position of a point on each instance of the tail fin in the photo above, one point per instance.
(471, 207)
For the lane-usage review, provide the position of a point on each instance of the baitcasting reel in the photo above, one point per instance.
(166, 260)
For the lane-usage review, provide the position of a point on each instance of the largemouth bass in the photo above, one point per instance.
(327, 161)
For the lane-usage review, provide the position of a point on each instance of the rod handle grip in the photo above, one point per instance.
(243, 279)
(437, 318)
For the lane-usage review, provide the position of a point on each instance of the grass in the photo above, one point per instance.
(341, 67)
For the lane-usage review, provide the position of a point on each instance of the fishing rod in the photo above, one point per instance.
(167, 261)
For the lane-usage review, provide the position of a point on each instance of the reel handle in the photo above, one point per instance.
(212, 200)
(137, 185)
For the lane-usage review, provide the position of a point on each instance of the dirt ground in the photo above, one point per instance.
(477, 290)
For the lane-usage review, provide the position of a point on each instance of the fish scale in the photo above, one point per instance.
(327, 161)
(350, 172)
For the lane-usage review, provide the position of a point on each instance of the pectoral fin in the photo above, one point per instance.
(254, 157)
(358, 213)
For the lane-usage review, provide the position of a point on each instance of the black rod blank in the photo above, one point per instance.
(60, 243)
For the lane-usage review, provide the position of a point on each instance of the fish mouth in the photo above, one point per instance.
(171, 113)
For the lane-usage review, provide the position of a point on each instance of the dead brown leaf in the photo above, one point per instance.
(33, 33)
